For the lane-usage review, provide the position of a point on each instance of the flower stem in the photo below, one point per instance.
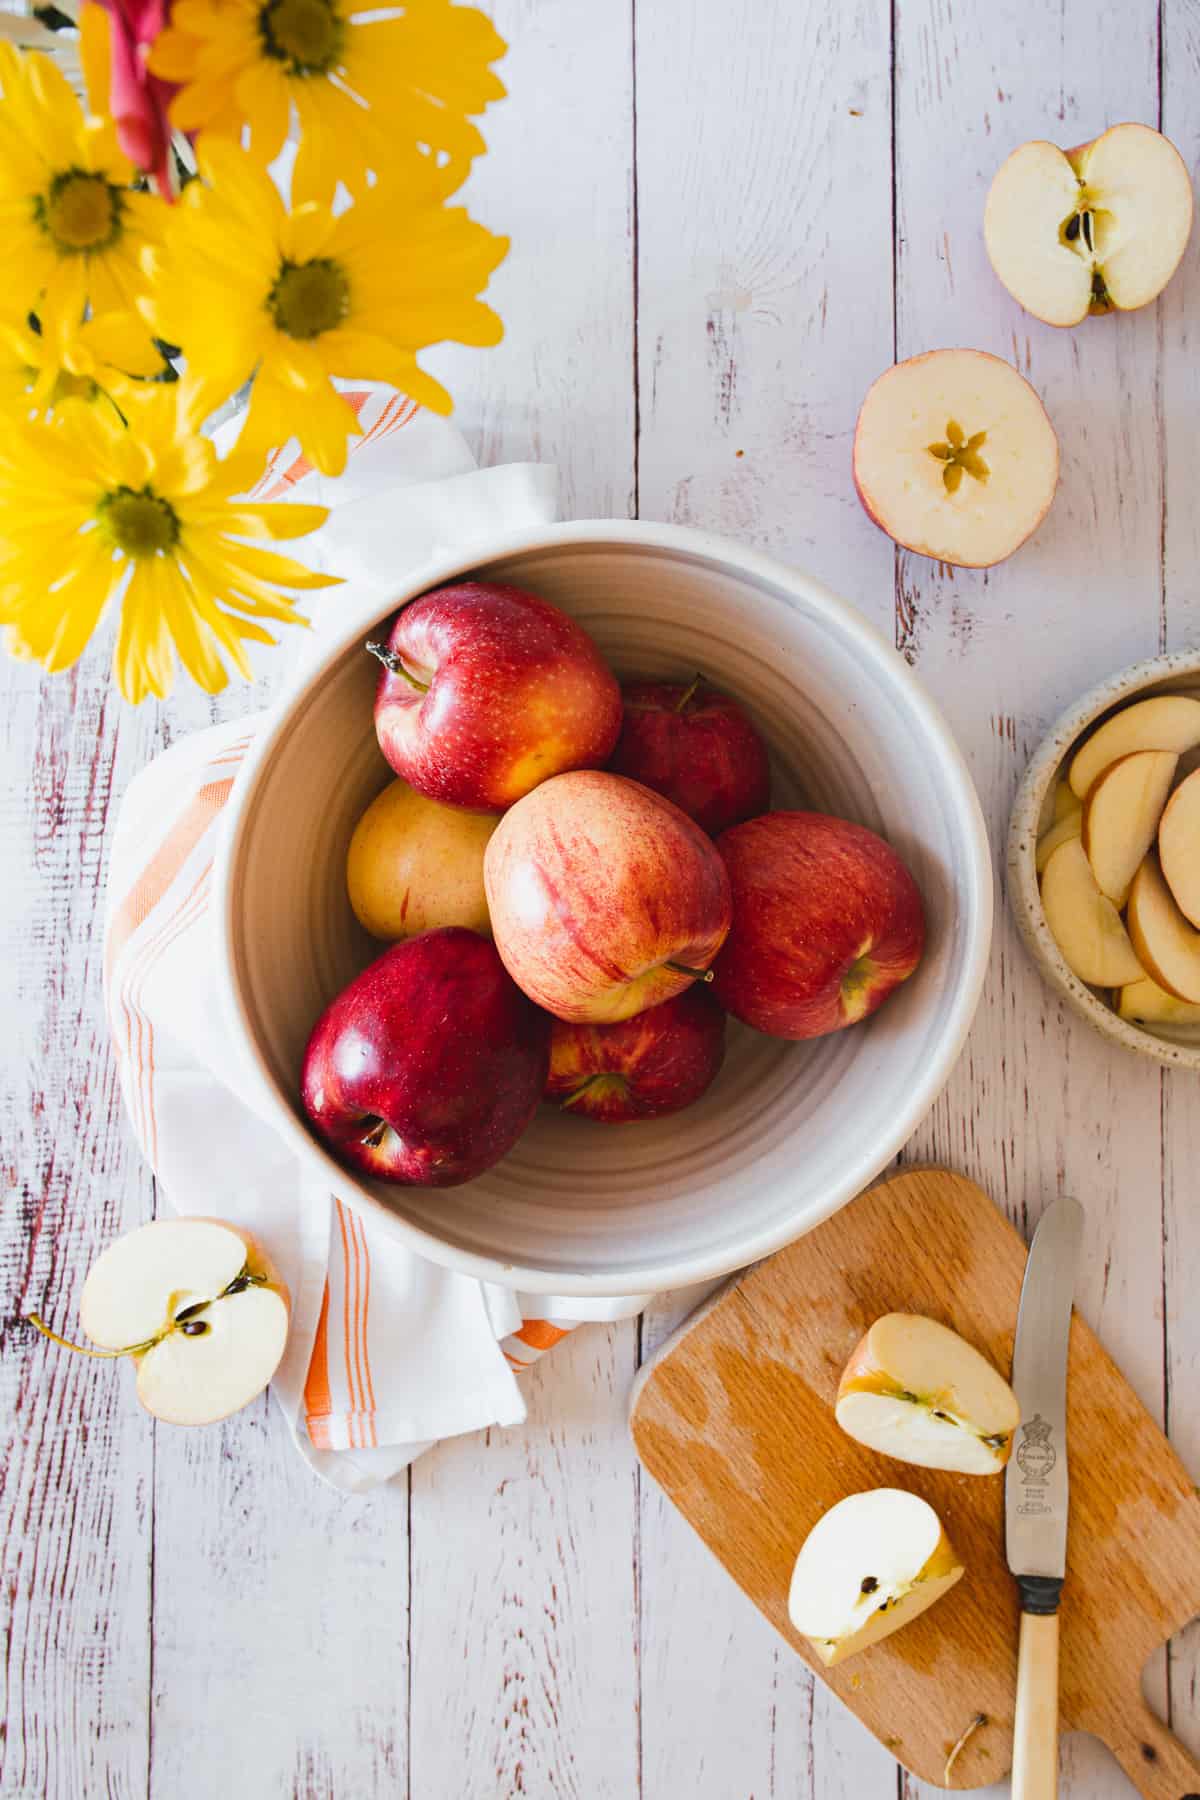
(395, 666)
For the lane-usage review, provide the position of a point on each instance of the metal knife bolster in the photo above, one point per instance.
(1039, 1593)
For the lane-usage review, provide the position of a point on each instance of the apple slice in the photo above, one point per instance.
(1179, 847)
(1067, 803)
(1121, 815)
(954, 456)
(915, 1390)
(1145, 1003)
(1164, 722)
(1085, 925)
(197, 1305)
(1169, 948)
(871, 1564)
(1061, 832)
(1090, 230)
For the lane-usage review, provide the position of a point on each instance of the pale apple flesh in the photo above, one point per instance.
(1061, 832)
(415, 865)
(954, 456)
(1121, 815)
(1145, 1003)
(1066, 803)
(915, 1390)
(199, 1307)
(870, 1565)
(1179, 847)
(1164, 722)
(1084, 924)
(1167, 945)
(1092, 229)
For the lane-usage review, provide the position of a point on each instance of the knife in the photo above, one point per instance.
(1035, 1491)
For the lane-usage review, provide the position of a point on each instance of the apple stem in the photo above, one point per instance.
(688, 693)
(589, 1082)
(86, 1349)
(696, 974)
(185, 1321)
(395, 665)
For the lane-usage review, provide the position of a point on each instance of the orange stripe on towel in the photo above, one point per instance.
(165, 865)
(540, 1334)
(318, 1402)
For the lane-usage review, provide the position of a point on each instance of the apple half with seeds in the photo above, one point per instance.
(954, 457)
(1097, 229)
(199, 1308)
(871, 1564)
(915, 1390)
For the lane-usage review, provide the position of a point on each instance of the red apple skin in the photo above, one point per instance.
(515, 692)
(435, 1038)
(641, 1068)
(594, 883)
(695, 746)
(827, 922)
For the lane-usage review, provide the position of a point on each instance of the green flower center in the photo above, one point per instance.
(309, 298)
(80, 212)
(138, 521)
(73, 387)
(305, 34)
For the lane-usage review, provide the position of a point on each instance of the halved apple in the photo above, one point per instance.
(1061, 832)
(1121, 815)
(1089, 230)
(1145, 1003)
(871, 1564)
(1169, 948)
(1179, 846)
(1085, 925)
(954, 456)
(915, 1390)
(199, 1308)
(1164, 722)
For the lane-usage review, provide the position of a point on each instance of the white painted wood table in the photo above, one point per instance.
(728, 216)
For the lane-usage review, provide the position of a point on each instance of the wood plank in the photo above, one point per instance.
(764, 232)
(1180, 398)
(75, 1494)
(1038, 1101)
(525, 1673)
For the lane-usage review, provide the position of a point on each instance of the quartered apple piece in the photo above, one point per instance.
(1179, 847)
(954, 456)
(871, 1564)
(1090, 230)
(1169, 948)
(1061, 832)
(915, 1390)
(1145, 1003)
(1121, 815)
(1164, 722)
(1085, 925)
(1067, 804)
(198, 1306)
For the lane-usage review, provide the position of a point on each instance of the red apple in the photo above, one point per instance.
(697, 747)
(427, 1068)
(826, 922)
(487, 691)
(605, 899)
(641, 1068)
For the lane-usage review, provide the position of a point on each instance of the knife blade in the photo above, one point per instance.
(1036, 1491)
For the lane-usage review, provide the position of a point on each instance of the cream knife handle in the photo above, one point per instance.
(1035, 1729)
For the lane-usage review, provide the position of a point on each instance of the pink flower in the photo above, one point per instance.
(137, 99)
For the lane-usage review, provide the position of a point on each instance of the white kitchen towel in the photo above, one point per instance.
(387, 1352)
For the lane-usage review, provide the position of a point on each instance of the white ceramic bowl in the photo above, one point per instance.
(789, 1132)
(1175, 673)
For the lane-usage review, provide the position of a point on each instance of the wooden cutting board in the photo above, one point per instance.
(734, 1419)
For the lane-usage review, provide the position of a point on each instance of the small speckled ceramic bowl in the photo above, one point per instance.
(1177, 673)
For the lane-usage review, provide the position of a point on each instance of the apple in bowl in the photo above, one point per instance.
(605, 899)
(486, 691)
(415, 865)
(427, 1068)
(656, 1063)
(827, 922)
(697, 747)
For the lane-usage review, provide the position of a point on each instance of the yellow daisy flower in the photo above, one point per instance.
(64, 358)
(71, 223)
(146, 518)
(362, 83)
(293, 298)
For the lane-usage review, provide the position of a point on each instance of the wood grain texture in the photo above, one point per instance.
(735, 1420)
